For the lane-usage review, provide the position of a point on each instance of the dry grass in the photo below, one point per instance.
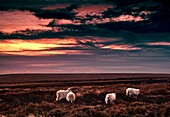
(37, 99)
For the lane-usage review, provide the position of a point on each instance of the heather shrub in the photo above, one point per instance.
(56, 113)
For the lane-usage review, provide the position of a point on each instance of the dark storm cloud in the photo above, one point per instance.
(72, 30)
(137, 27)
(87, 43)
(130, 37)
(32, 5)
(123, 3)
(156, 15)
(65, 13)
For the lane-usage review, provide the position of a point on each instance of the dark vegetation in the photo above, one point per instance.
(34, 95)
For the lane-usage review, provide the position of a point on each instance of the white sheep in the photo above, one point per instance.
(132, 92)
(71, 97)
(110, 97)
(60, 94)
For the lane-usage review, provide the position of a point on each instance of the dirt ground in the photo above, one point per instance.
(34, 95)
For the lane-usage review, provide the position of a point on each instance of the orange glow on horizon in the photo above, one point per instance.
(34, 53)
(37, 47)
(45, 53)
(21, 46)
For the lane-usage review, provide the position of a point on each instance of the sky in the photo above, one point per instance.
(84, 36)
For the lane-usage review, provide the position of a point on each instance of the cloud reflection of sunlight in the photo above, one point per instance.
(121, 47)
(159, 43)
(11, 21)
(36, 47)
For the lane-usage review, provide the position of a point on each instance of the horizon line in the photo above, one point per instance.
(95, 73)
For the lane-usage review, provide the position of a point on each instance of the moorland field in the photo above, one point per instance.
(33, 95)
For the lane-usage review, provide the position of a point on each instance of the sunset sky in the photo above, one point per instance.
(84, 36)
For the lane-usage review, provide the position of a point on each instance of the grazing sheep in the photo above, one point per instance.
(60, 94)
(110, 97)
(70, 97)
(132, 91)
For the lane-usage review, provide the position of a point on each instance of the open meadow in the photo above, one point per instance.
(23, 95)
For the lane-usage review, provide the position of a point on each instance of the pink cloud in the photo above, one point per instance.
(121, 47)
(63, 21)
(145, 13)
(127, 18)
(159, 43)
(11, 21)
(121, 18)
(91, 9)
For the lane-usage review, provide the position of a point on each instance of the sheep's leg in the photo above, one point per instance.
(57, 97)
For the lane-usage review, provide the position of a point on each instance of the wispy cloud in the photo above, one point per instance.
(36, 47)
(159, 43)
(91, 9)
(56, 6)
(122, 47)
